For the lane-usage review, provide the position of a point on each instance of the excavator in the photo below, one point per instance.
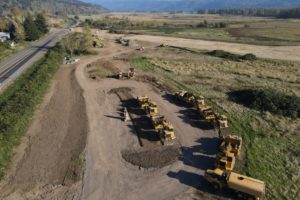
(246, 187)
(151, 108)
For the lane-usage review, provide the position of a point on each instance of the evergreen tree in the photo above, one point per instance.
(41, 24)
(14, 32)
(31, 31)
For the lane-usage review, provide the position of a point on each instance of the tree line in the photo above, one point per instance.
(259, 12)
(29, 27)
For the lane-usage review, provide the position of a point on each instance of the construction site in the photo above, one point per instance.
(126, 133)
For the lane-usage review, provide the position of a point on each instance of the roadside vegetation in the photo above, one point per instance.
(269, 126)
(18, 103)
(250, 30)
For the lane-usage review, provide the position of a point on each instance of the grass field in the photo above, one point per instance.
(271, 142)
(251, 30)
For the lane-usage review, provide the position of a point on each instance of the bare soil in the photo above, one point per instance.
(55, 139)
(272, 52)
(152, 158)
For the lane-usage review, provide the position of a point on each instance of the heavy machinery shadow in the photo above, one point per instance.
(188, 114)
(201, 156)
(114, 117)
(198, 182)
(142, 125)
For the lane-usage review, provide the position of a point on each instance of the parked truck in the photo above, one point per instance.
(246, 187)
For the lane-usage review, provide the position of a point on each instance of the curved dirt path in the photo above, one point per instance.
(107, 176)
(272, 52)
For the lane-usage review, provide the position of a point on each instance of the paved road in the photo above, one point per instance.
(14, 65)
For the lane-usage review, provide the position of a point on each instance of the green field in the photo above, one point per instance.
(250, 30)
(271, 141)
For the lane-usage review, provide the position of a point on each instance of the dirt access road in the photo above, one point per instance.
(56, 137)
(272, 52)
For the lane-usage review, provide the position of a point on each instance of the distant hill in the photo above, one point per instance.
(52, 6)
(190, 5)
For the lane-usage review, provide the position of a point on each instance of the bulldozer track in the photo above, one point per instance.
(147, 135)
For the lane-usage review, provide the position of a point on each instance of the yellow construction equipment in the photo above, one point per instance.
(151, 108)
(168, 133)
(207, 113)
(143, 101)
(186, 97)
(126, 75)
(231, 144)
(222, 121)
(225, 160)
(245, 186)
(157, 121)
(163, 127)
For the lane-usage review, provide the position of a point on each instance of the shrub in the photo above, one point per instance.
(232, 56)
(249, 56)
(268, 100)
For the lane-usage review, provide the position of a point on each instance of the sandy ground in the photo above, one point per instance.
(107, 175)
(272, 52)
(57, 135)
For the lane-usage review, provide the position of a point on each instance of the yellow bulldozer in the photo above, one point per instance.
(163, 127)
(143, 102)
(222, 121)
(157, 121)
(186, 97)
(231, 144)
(207, 113)
(151, 108)
(225, 160)
(246, 187)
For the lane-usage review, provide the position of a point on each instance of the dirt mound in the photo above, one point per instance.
(121, 89)
(152, 158)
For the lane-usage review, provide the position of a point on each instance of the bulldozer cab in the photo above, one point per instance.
(225, 160)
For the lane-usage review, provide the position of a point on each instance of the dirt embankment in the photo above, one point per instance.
(55, 141)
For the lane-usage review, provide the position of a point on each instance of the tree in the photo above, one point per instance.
(41, 24)
(31, 31)
(14, 32)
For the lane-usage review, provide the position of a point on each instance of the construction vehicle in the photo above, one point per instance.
(157, 121)
(143, 102)
(231, 144)
(246, 187)
(225, 160)
(126, 75)
(163, 127)
(151, 108)
(186, 97)
(179, 95)
(207, 113)
(222, 121)
(168, 133)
